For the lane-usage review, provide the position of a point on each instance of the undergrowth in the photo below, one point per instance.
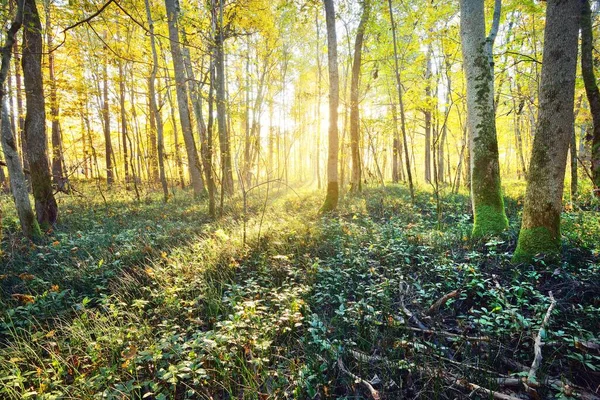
(146, 300)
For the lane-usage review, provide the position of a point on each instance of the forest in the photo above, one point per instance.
(299, 199)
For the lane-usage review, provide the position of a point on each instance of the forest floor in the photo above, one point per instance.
(132, 300)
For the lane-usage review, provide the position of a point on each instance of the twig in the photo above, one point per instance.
(374, 393)
(537, 360)
(476, 388)
(444, 333)
(442, 300)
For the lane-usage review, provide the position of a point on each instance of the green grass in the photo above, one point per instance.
(146, 300)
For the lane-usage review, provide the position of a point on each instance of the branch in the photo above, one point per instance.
(436, 306)
(537, 360)
(88, 19)
(374, 393)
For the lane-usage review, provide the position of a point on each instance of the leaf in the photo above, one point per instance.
(23, 298)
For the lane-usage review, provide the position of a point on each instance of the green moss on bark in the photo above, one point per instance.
(331, 199)
(489, 221)
(533, 241)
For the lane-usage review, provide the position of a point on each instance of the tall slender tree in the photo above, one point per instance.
(400, 91)
(354, 97)
(591, 88)
(486, 191)
(182, 98)
(331, 198)
(35, 120)
(154, 106)
(540, 228)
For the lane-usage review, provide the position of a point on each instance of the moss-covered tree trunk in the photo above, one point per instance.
(540, 228)
(35, 120)
(356, 185)
(486, 191)
(591, 89)
(331, 198)
(194, 166)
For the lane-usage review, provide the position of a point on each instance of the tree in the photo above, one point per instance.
(219, 61)
(540, 227)
(58, 174)
(35, 120)
(591, 89)
(401, 103)
(486, 191)
(108, 151)
(331, 198)
(153, 104)
(354, 94)
(172, 7)
(18, 184)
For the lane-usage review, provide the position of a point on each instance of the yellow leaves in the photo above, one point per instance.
(163, 255)
(149, 271)
(3, 277)
(54, 288)
(23, 298)
(26, 277)
(50, 334)
(56, 243)
(128, 354)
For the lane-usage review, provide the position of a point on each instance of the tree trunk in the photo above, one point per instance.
(18, 183)
(401, 103)
(35, 121)
(123, 123)
(540, 228)
(331, 198)
(225, 147)
(591, 89)
(356, 184)
(182, 98)
(106, 119)
(153, 105)
(427, 115)
(58, 175)
(196, 98)
(486, 191)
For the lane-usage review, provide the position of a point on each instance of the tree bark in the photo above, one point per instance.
(427, 115)
(182, 98)
(356, 184)
(154, 107)
(58, 175)
(106, 121)
(35, 119)
(331, 198)
(401, 103)
(591, 89)
(540, 228)
(486, 191)
(18, 183)
(219, 59)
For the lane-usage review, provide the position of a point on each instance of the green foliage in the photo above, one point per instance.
(143, 301)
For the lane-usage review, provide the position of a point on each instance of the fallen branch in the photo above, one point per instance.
(476, 388)
(537, 360)
(449, 334)
(374, 393)
(441, 301)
